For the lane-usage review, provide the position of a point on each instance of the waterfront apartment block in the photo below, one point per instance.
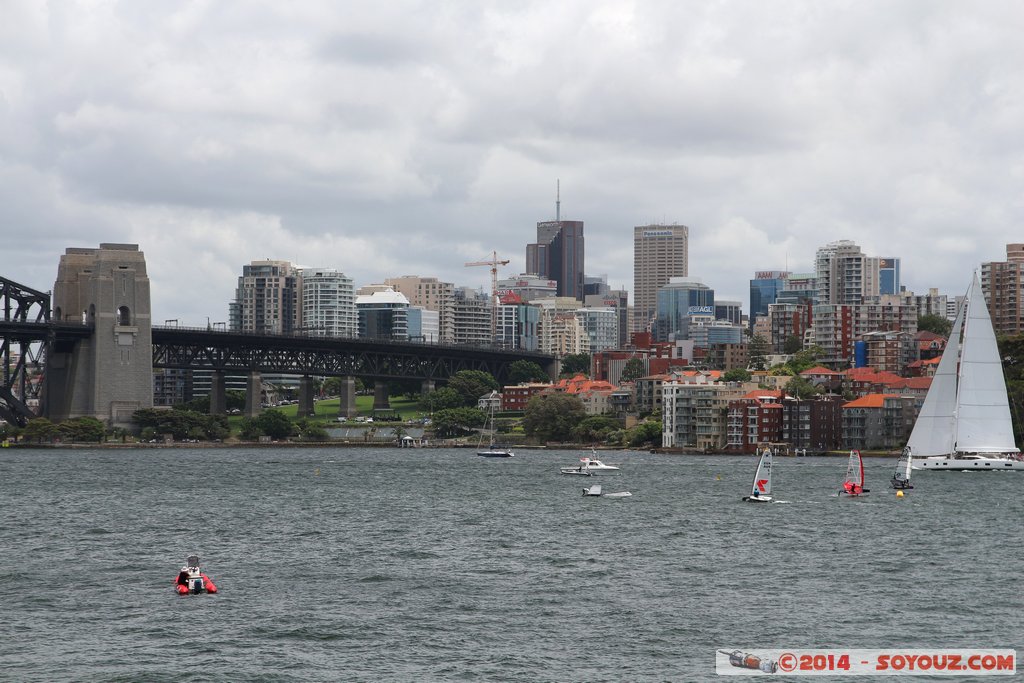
(328, 303)
(695, 414)
(878, 421)
(660, 252)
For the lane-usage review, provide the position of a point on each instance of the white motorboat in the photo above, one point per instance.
(964, 424)
(589, 466)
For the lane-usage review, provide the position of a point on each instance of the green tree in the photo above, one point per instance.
(472, 384)
(596, 429)
(83, 429)
(736, 375)
(457, 421)
(274, 424)
(934, 323)
(38, 430)
(234, 399)
(792, 344)
(574, 364)
(801, 388)
(757, 350)
(632, 370)
(248, 429)
(442, 399)
(553, 417)
(523, 371)
(647, 434)
(311, 430)
(805, 359)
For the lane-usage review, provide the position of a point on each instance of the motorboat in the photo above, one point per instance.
(589, 466)
(191, 580)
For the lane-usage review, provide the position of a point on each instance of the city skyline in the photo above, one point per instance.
(382, 143)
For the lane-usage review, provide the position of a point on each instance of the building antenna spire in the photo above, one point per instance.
(558, 199)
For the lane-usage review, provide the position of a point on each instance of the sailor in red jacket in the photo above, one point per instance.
(191, 579)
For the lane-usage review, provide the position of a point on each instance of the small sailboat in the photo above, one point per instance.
(490, 450)
(853, 485)
(761, 488)
(901, 477)
(594, 490)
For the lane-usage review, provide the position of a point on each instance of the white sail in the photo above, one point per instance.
(933, 430)
(762, 484)
(983, 413)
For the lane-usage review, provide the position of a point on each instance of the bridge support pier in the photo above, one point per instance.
(427, 387)
(347, 398)
(380, 396)
(253, 394)
(218, 393)
(306, 407)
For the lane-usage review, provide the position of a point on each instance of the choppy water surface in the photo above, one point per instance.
(438, 565)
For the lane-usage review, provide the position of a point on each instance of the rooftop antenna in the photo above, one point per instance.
(558, 199)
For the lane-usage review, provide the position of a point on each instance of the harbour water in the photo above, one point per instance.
(437, 565)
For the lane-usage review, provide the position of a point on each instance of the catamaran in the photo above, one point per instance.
(964, 423)
(761, 488)
(853, 485)
(901, 477)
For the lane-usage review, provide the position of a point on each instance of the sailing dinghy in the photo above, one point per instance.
(761, 488)
(853, 485)
(901, 477)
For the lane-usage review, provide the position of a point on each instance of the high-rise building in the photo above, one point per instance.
(473, 317)
(660, 252)
(266, 299)
(888, 275)
(383, 314)
(328, 303)
(765, 288)
(617, 299)
(528, 287)
(679, 301)
(431, 294)
(1003, 285)
(844, 274)
(517, 324)
(558, 255)
(601, 326)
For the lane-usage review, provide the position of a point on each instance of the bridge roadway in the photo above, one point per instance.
(240, 352)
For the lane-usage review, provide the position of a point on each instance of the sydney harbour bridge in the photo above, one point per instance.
(89, 348)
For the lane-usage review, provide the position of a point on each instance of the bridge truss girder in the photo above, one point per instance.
(232, 352)
(22, 350)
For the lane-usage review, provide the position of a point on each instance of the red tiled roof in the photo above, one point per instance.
(820, 370)
(869, 401)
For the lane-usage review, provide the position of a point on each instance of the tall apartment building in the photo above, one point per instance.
(838, 327)
(695, 414)
(931, 303)
(328, 303)
(472, 310)
(266, 299)
(660, 252)
(431, 294)
(844, 274)
(617, 300)
(517, 324)
(601, 326)
(1003, 285)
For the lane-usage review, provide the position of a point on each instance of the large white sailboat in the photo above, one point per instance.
(964, 424)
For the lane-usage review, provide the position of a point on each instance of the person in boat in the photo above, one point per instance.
(191, 579)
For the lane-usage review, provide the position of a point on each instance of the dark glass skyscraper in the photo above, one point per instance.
(558, 255)
(764, 290)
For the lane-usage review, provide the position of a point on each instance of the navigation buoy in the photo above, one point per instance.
(899, 494)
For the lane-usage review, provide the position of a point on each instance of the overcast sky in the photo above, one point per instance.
(407, 138)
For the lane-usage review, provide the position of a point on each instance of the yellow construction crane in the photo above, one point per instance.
(493, 263)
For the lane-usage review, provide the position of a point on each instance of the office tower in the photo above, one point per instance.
(328, 303)
(266, 299)
(660, 252)
(730, 311)
(680, 301)
(431, 294)
(617, 299)
(765, 288)
(558, 255)
(888, 275)
(383, 314)
(1003, 285)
